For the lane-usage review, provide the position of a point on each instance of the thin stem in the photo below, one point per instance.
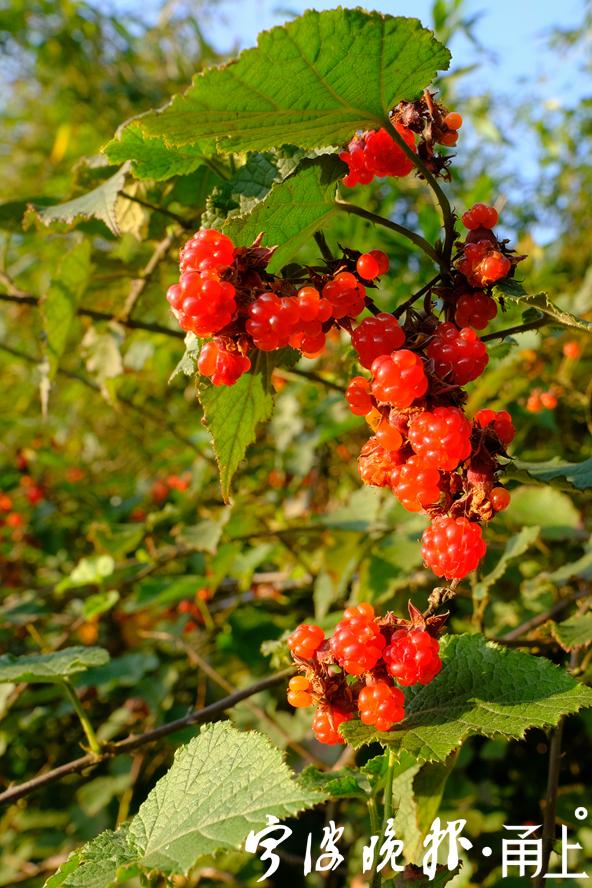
(551, 799)
(417, 239)
(388, 789)
(93, 742)
(156, 209)
(534, 622)
(133, 742)
(519, 328)
(400, 309)
(447, 213)
(373, 812)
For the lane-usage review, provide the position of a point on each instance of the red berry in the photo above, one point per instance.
(453, 120)
(452, 547)
(388, 436)
(399, 378)
(499, 498)
(357, 642)
(549, 400)
(5, 502)
(493, 268)
(500, 421)
(325, 725)
(413, 657)
(372, 265)
(482, 264)
(381, 705)
(375, 463)
(376, 336)
(480, 216)
(416, 484)
(375, 153)
(572, 349)
(459, 354)
(475, 309)
(222, 366)
(534, 403)
(442, 437)
(357, 395)
(306, 640)
(345, 294)
(449, 139)
(207, 249)
(272, 320)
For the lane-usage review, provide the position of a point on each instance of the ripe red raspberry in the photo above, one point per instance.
(499, 498)
(413, 657)
(346, 295)
(458, 353)
(222, 366)
(357, 395)
(399, 378)
(271, 321)
(549, 400)
(475, 310)
(375, 464)
(375, 153)
(325, 725)
(202, 305)
(311, 306)
(373, 264)
(480, 216)
(207, 249)
(299, 694)
(572, 349)
(305, 640)
(453, 120)
(388, 436)
(500, 421)
(357, 642)
(452, 547)
(482, 264)
(449, 139)
(493, 268)
(441, 437)
(381, 705)
(416, 484)
(376, 336)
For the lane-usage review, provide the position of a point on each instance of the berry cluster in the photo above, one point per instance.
(424, 447)
(226, 293)
(362, 668)
(375, 153)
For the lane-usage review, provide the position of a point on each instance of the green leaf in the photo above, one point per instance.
(417, 794)
(100, 203)
(102, 863)
(572, 475)
(516, 546)
(482, 689)
(232, 414)
(311, 83)
(346, 783)
(293, 210)
(100, 603)
(542, 303)
(188, 363)
(415, 877)
(205, 536)
(88, 572)
(151, 157)
(50, 667)
(221, 786)
(550, 509)
(575, 632)
(60, 303)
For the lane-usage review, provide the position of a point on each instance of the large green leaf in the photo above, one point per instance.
(575, 632)
(311, 83)
(232, 414)
(100, 203)
(542, 303)
(516, 546)
(60, 303)
(482, 689)
(151, 157)
(102, 863)
(568, 475)
(292, 211)
(221, 785)
(50, 667)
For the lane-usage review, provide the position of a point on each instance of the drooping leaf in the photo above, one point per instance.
(60, 303)
(99, 603)
(311, 83)
(50, 667)
(293, 210)
(152, 158)
(100, 203)
(417, 794)
(568, 475)
(102, 863)
(542, 303)
(232, 414)
(482, 689)
(221, 786)
(551, 510)
(575, 632)
(516, 546)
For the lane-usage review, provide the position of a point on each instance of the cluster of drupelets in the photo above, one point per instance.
(361, 669)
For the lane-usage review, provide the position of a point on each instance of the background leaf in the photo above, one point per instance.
(51, 667)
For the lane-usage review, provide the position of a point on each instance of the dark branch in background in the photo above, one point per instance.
(534, 622)
(519, 328)
(144, 411)
(27, 299)
(124, 747)
(184, 223)
(138, 285)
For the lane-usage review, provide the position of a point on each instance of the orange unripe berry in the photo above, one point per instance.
(449, 139)
(549, 400)
(299, 683)
(572, 349)
(453, 120)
